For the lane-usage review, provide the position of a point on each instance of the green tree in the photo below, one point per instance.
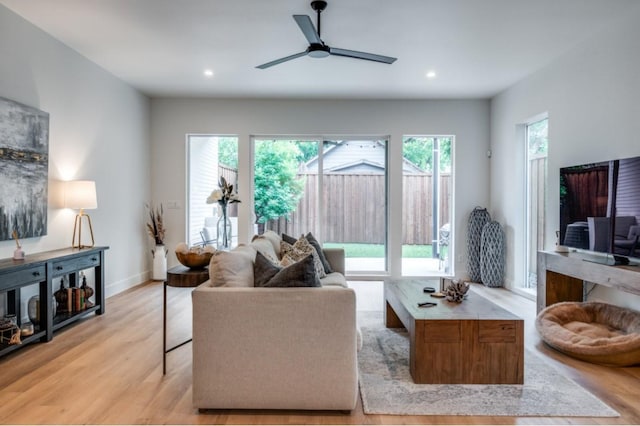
(419, 151)
(228, 152)
(445, 154)
(278, 189)
(538, 137)
(308, 150)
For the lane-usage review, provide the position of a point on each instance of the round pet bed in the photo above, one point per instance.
(591, 331)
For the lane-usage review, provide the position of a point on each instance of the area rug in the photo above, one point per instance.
(387, 388)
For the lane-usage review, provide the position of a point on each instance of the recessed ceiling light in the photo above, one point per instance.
(430, 74)
(208, 73)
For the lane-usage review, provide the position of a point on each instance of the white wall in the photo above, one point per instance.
(99, 130)
(172, 119)
(592, 97)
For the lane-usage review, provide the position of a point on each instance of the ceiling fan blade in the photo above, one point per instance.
(362, 55)
(281, 60)
(309, 31)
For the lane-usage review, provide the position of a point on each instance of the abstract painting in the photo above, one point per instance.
(24, 170)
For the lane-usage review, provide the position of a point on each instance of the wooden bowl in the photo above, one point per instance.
(194, 260)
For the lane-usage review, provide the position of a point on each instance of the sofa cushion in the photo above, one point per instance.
(275, 239)
(298, 274)
(316, 245)
(232, 268)
(294, 253)
(335, 279)
(264, 246)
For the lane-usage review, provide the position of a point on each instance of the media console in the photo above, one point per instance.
(561, 276)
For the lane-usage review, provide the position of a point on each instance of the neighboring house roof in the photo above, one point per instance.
(360, 166)
(356, 157)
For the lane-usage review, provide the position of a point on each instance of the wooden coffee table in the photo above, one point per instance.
(473, 342)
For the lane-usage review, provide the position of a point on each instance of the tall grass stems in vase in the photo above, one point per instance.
(156, 229)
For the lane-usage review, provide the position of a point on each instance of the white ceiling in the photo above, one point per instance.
(477, 47)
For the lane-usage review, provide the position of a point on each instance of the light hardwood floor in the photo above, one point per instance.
(108, 370)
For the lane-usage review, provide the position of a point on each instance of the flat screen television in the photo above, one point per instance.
(600, 207)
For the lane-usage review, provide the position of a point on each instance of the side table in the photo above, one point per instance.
(178, 276)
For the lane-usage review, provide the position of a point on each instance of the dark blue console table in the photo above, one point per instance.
(41, 269)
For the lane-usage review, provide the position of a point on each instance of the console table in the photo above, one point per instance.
(41, 269)
(561, 276)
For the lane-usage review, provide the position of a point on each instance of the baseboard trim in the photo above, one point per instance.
(116, 287)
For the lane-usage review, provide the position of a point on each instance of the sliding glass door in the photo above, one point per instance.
(354, 190)
(337, 192)
(285, 198)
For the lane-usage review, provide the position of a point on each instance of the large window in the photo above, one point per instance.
(338, 189)
(426, 215)
(537, 142)
(209, 157)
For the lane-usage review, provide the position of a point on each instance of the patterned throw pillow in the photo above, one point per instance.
(316, 245)
(293, 253)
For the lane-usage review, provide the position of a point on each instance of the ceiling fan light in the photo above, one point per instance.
(318, 53)
(317, 50)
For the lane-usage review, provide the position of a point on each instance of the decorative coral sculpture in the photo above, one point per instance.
(456, 291)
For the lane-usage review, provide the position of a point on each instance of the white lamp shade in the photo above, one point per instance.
(80, 194)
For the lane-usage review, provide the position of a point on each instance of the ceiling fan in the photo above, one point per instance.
(317, 48)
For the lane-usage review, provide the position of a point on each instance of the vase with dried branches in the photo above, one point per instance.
(156, 229)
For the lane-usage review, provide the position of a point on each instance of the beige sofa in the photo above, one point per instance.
(275, 348)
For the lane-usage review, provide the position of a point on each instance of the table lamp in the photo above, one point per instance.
(81, 194)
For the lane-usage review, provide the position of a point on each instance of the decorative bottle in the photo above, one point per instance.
(224, 230)
(88, 292)
(61, 297)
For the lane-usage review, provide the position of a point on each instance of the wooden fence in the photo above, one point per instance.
(354, 208)
(417, 212)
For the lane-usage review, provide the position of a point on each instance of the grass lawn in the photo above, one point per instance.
(377, 250)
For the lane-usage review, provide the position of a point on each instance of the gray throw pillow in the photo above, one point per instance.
(289, 239)
(299, 274)
(316, 245)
